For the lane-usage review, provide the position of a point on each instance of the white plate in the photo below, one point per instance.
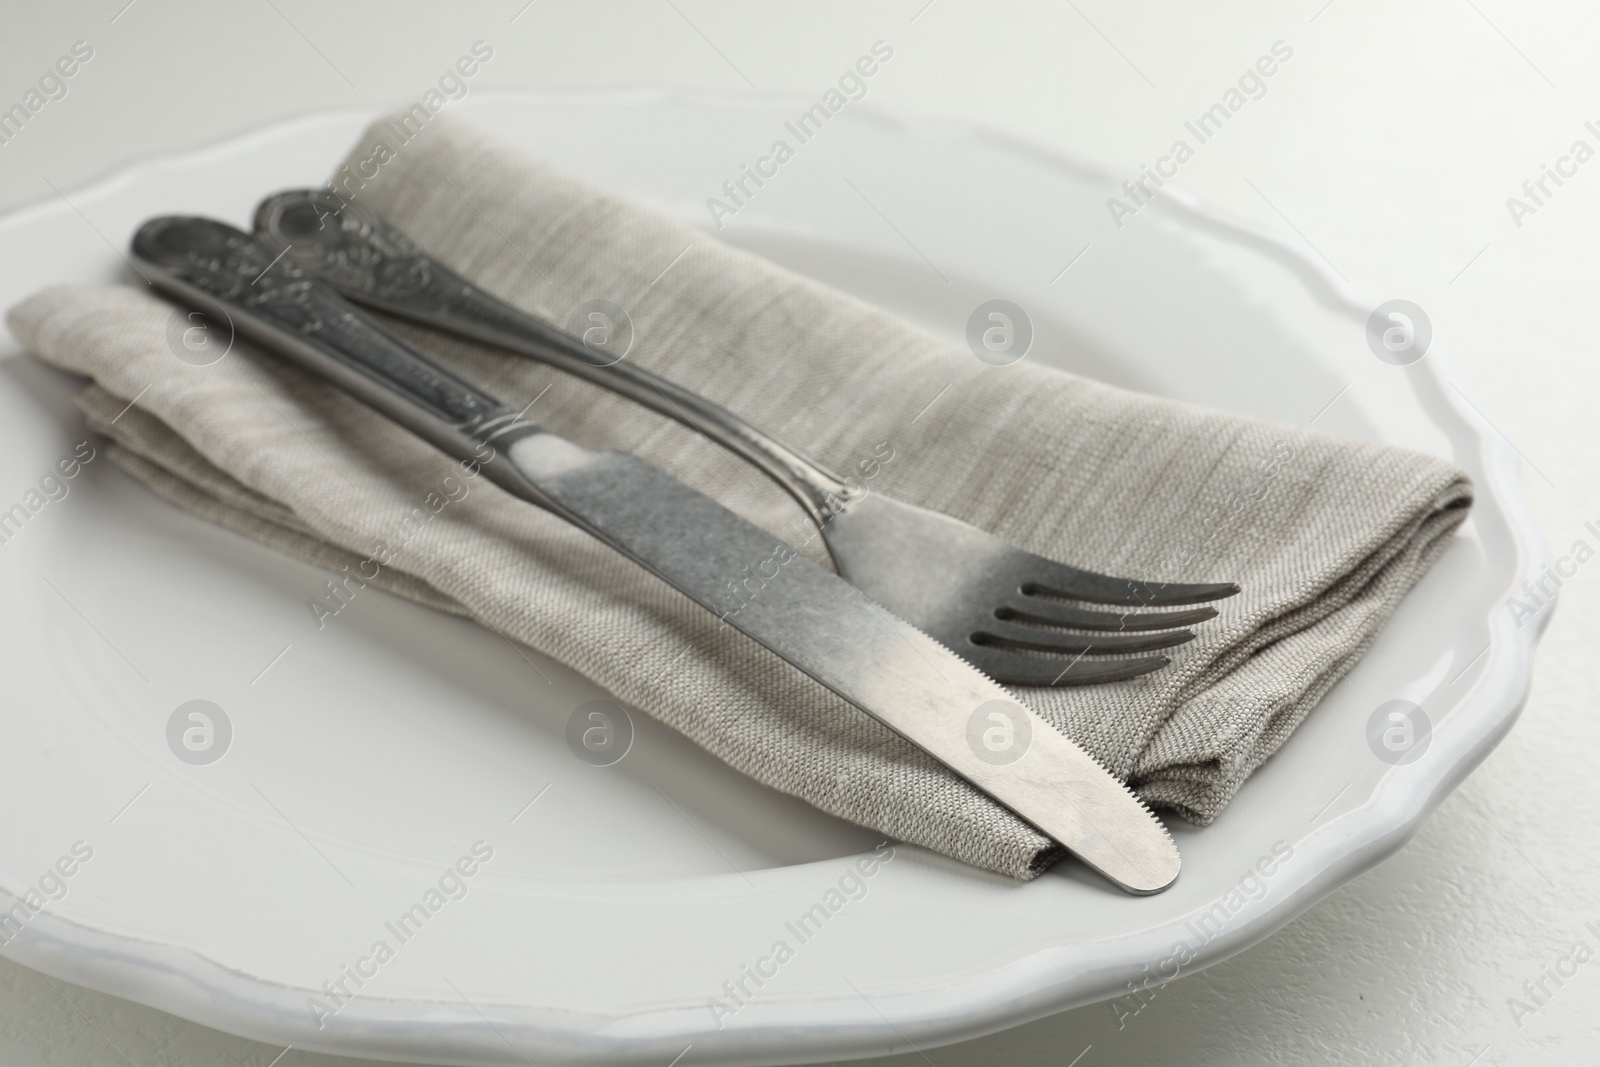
(374, 753)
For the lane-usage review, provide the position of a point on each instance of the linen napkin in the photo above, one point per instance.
(1324, 535)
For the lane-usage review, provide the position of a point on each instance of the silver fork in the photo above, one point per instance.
(998, 606)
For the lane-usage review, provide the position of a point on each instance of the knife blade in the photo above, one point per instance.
(810, 617)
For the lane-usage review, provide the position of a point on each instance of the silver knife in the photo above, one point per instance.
(813, 619)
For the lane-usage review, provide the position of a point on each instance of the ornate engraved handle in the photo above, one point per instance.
(228, 273)
(239, 273)
(356, 251)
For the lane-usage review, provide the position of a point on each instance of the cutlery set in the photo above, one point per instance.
(926, 619)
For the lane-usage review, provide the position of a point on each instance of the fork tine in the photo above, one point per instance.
(1054, 613)
(1057, 579)
(1014, 668)
(1012, 635)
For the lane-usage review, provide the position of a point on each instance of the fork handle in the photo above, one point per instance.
(357, 252)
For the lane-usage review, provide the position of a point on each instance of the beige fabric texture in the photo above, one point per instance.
(1325, 535)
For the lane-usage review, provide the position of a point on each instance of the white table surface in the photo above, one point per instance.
(1390, 142)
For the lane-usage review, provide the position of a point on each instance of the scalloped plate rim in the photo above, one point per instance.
(195, 986)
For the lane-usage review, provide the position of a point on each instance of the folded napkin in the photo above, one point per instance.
(1325, 535)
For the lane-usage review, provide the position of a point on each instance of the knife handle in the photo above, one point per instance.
(229, 274)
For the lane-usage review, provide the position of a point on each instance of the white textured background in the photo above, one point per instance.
(1390, 143)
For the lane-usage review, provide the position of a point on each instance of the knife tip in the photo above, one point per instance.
(1146, 869)
(1152, 879)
